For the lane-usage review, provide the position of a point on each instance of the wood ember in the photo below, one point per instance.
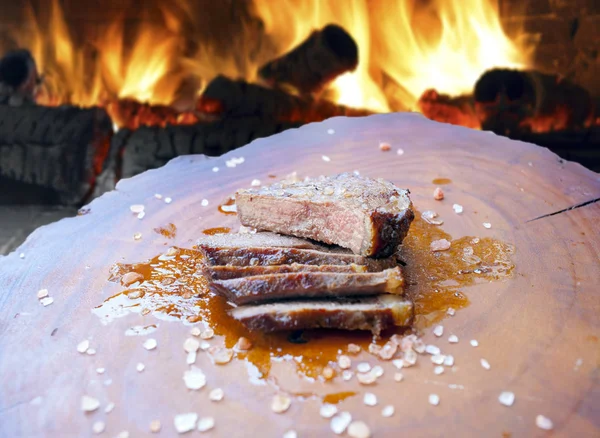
(131, 114)
(324, 55)
(230, 98)
(447, 109)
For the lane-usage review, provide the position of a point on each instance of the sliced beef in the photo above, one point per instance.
(366, 313)
(265, 256)
(370, 217)
(264, 288)
(229, 272)
(264, 239)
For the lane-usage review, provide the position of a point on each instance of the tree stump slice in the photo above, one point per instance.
(539, 330)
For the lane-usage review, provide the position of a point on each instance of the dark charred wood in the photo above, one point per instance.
(152, 147)
(511, 101)
(324, 55)
(448, 109)
(61, 150)
(18, 78)
(231, 98)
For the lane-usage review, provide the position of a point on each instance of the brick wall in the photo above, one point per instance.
(567, 32)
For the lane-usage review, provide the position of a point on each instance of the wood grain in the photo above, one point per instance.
(539, 330)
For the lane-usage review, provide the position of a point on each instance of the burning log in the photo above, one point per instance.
(61, 150)
(323, 56)
(509, 101)
(18, 78)
(152, 147)
(446, 109)
(131, 114)
(231, 98)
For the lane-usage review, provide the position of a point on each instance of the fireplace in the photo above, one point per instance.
(114, 88)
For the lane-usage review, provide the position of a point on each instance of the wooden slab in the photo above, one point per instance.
(538, 330)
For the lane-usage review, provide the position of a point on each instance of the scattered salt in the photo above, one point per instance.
(194, 378)
(353, 348)
(155, 426)
(215, 169)
(487, 225)
(438, 370)
(340, 422)
(432, 349)
(42, 293)
(438, 330)
(98, 427)
(191, 358)
(450, 311)
(453, 339)
(458, 209)
(243, 344)
(438, 194)
(438, 359)
(449, 360)
(429, 216)
(280, 403)
(439, 245)
(377, 371)
(359, 429)
(485, 364)
(400, 151)
(150, 344)
(474, 343)
(195, 331)
(290, 434)
(100, 370)
(141, 215)
(185, 422)
(326, 158)
(216, 394)
(255, 183)
(137, 236)
(434, 399)
(46, 301)
(363, 367)
(370, 399)
(398, 377)
(140, 367)
(22, 255)
(204, 203)
(506, 398)
(207, 334)
(220, 355)
(398, 363)
(344, 362)
(388, 411)
(136, 208)
(330, 131)
(109, 408)
(544, 422)
(191, 345)
(91, 351)
(158, 196)
(328, 410)
(83, 346)
(168, 200)
(89, 404)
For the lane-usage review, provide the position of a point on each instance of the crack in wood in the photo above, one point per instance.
(573, 207)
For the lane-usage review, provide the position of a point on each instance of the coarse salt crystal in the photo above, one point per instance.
(328, 410)
(347, 375)
(100, 370)
(150, 344)
(440, 245)
(370, 399)
(194, 378)
(385, 147)
(506, 398)
(89, 404)
(137, 236)
(328, 373)
(487, 225)
(438, 330)
(185, 422)
(216, 394)
(158, 196)
(438, 359)
(409, 359)
(438, 370)
(243, 344)
(191, 358)
(255, 183)
(22, 255)
(205, 424)
(398, 363)
(400, 151)
(330, 131)
(449, 360)
(141, 215)
(340, 422)
(344, 362)
(353, 348)
(280, 403)
(363, 367)
(155, 426)
(195, 331)
(215, 169)
(432, 349)
(326, 158)
(290, 434)
(485, 364)
(434, 399)
(83, 346)
(453, 339)
(388, 411)
(398, 377)
(168, 200)
(451, 311)
(474, 343)
(204, 203)
(109, 408)
(46, 301)
(140, 367)
(359, 429)
(220, 355)
(377, 371)
(438, 194)
(123, 434)
(136, 208)
(204, 345)
(366, 378)
(98, 427)
(458, 209)
(191, 345)
(91, 351)
(42, 293)
(130, 278)
(207, 334)
(544, 422)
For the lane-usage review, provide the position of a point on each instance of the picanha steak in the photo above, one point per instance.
(369, 216)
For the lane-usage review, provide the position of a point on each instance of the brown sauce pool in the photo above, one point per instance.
(170, 231)
(228, 207)
(217, 230)
(441, 181)
(172, 286)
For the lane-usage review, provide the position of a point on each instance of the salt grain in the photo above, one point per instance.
(438, 370)
(137, 236)
(398, 363)
(42, 293)
(366, 378)
(141, 215)
(155, 426)
(207, 334)
(340, 422)
(347, 375)
(185, 422)
(123, 434)
(400, 151)
(150, 344)
(485, 364)
(326, 158)
(385, 147)
(377, 371)
(91, 351)
(359, 429)
(98, 427)
(216, 394)
(136, 208)
(363, 367)
(46, 301)
(328, 410)
(204, 203)
(195, 331)
(438, 359)
(434, 399)
(458, 209)
(191, 345)
(191, 358)
(506, 398)
(388, 411)
(344, 362)
(158, 196)
(22, 255)
(255, 183)
(89, 404)
(100, 370)
(220, 355)
(453, 339)
(328, 373)
(215, 169)
(330, 131)
(194, 378)
(487, 225)
(168, 200)
(243, 344)
(140, 367)
(410, 358)
(449, 361)
(451, 311)
(290, 434)
(353, 348)
(370, 399)
(438, 194)
(440, 245)
(544, 422)
(438, 330)
(130, 278)
(398, 377)
(432, 349)
(280, 403)
(83, 346)
(474, 343)
(429, 216)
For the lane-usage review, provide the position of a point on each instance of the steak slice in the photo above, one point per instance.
(264, 288)
(264, 239)
(264, 256)
(229, 272)
(365, 313)
(370, 217)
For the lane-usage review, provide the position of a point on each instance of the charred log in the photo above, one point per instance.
(18, 78)
(512, 101)
(324, 55)
(151, 147)
(447, 109)
(227, 97)
(60, 150)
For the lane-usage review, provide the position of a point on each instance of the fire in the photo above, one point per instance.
(405, 48)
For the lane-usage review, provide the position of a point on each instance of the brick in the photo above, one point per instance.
(550, 29)
(520, 8)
